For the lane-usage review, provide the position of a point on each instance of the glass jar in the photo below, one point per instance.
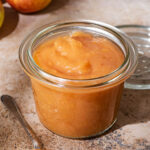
(77, 108)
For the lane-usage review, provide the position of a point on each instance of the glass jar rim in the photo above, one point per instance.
(31, 68)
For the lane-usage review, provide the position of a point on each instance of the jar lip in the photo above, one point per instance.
(48, 76)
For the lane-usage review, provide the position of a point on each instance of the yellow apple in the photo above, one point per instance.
(1, 14)
(28, 6)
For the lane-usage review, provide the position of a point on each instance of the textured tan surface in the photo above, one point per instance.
(132, 131)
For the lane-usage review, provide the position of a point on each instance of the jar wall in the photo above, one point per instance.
(73, 114)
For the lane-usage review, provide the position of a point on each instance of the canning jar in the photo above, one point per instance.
(77, 108)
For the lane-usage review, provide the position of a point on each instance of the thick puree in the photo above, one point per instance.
(70, 112)
(78, 56)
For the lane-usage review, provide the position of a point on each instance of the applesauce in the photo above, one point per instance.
(78, 56)
(77, 71)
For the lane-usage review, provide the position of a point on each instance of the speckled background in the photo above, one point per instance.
(132, 130)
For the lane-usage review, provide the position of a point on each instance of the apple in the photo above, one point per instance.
(28, 6)
(1, 14)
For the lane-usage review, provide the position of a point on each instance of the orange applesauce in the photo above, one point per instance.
(79, 55)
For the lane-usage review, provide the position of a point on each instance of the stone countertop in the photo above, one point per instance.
(132, 130)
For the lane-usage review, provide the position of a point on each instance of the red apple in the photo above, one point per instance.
(1, 14)
(28, 6)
